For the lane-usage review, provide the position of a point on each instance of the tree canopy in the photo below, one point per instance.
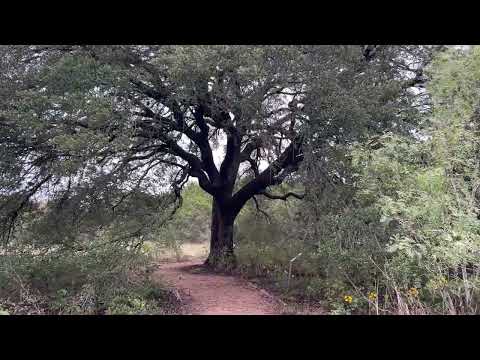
(112, 133)
(339, 177)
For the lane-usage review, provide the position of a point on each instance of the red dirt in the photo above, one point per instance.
(204, 293)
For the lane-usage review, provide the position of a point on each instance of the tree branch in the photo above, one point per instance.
(282, 197)
(260, 210)
(286, 163)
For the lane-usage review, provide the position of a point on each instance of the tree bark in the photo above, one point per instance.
(221, 255)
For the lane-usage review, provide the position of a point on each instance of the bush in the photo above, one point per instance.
(109, 280)
(398, 231)
(191, 222)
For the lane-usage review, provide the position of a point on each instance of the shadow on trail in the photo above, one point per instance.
(196, 269)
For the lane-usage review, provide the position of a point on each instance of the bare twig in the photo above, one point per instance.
(260, 210)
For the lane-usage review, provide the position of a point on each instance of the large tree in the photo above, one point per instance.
(78, 119)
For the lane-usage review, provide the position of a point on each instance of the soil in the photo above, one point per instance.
(205, 293)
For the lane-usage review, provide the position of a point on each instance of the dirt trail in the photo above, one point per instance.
(204, 293)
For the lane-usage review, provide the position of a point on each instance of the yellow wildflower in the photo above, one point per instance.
(372, 296)
(438, 283)
(413, 292)
(348, 299)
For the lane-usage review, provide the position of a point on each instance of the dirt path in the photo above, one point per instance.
(204, 293)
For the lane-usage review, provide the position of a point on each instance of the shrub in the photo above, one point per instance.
(109, 280)
(401, 222)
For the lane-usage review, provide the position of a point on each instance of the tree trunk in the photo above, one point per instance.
(221, 255)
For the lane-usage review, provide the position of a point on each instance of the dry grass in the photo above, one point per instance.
(186, 252)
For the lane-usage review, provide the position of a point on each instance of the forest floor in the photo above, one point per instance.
(205, 293)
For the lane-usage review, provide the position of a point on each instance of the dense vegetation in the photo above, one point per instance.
(400, 234)
(94, 125)
(388, 217)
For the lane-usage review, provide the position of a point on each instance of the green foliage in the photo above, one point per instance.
(109, 134)
(265, 246)
(402, 224)
(110, 280)
(107, 117)
(191, 222)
